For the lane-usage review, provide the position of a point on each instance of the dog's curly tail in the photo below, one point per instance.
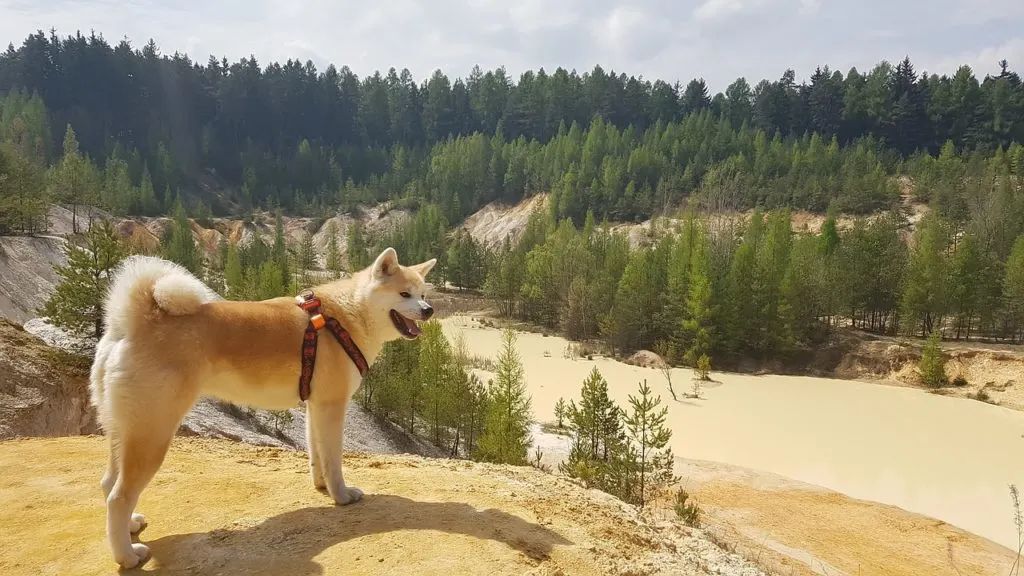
(145, 288)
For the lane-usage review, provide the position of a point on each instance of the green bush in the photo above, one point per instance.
(687, 510)
(933, 363)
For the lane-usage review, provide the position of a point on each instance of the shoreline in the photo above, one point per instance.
(1002, 383)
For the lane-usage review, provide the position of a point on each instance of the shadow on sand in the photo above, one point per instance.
(288, 543)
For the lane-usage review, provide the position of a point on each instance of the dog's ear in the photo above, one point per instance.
(386, 264)
(424, 268)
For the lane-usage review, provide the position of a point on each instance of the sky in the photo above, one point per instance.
(718, 40)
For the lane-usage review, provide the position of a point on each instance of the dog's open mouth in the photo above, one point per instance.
(407, 328)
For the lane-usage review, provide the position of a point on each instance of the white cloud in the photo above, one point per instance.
(809, 6)
(719, 9)
(984, 61)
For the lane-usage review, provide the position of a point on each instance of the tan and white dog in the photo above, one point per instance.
(169, 339)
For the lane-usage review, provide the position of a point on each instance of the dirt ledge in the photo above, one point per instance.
(218, 507)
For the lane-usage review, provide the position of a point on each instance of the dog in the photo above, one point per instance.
(169, 340)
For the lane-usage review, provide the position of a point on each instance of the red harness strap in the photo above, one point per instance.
(311, 304)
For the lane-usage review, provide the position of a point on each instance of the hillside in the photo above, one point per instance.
(43, 390)
(490, 225)
(220, 507)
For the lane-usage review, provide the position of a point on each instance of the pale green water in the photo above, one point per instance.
(948, 458)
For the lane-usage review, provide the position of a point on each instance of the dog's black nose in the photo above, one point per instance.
(428, 311)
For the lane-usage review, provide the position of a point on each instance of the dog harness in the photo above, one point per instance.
(311, 304)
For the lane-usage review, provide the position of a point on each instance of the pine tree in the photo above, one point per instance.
(71, 178)
(148, 204)
(698, 323)
(179, 245)
(596, 431)
(333, 258)
(968, 270)
(77, 302)
(358, 249)
(1013, 292)
(436, 374)
(280, 251)
(234, 277)
(561, 411)
(23, 207)
(933, 363)
(505, 279)
(306, 258)
(649, 436)
(924, 299)
(506, 433)
(266, 282)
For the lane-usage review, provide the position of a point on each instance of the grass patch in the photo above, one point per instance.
(60, 358)
(552, 428)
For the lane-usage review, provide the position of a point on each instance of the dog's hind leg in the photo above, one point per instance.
(140, 444)
(138, 521)
(316, 469)
(139, 458)
(328, 423)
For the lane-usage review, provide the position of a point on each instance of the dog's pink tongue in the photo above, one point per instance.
(413, 328)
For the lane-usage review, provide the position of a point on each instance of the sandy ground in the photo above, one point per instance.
(940, 457)
(219, 507)
(794, 528)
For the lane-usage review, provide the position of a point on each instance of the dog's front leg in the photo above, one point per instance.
(328, 421)
(316, 469)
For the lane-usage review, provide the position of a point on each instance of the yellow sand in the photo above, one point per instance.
(221, 507)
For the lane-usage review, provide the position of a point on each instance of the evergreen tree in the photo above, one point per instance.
(148, 204)
(179, 245)
(649, 436)
(280, 252)
(699, 313)
(358, 251)
(933, 363)
(77, 302)
(965, 286)
(925, 297)
(1013, 292)
(561, 411)
(22, 207)
(307, 257)
(506, 432)
(71, 179)
(436, 374)
(234, 277)
(466, 267)
(505, 279)
(333, 257)
(596, 431)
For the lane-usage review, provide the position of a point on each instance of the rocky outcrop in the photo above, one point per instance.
(27, 277)
(43, 390)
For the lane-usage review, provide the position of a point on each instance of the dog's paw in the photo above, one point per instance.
(348, 495)
(137, 557)
(137, 523)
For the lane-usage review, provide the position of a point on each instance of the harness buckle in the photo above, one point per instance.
(317, 320)
(308, 302)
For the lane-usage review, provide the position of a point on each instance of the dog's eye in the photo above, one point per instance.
(405, 295)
